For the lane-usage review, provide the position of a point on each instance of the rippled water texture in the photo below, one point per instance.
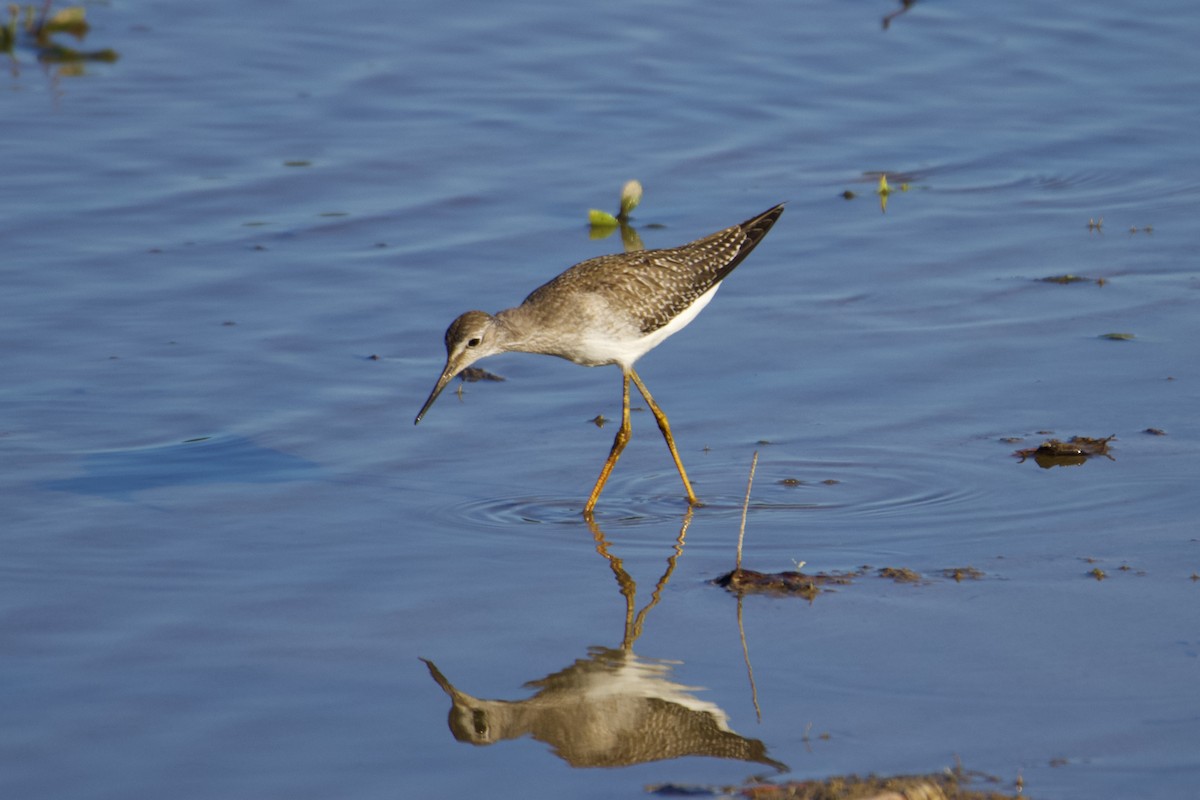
(228, 261)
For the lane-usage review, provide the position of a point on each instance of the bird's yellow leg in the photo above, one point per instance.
(665, 427)
(618, 445)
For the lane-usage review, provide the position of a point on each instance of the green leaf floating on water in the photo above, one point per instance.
(601, 219)
(1118, 337)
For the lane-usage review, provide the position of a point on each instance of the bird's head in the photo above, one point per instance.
(469, 338)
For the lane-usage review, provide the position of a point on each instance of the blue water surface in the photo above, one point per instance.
(228, 261)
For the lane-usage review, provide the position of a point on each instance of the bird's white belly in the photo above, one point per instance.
(626, 351)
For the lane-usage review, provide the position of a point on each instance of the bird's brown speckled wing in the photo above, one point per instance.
(654, 286)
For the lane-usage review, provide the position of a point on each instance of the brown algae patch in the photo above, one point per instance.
(794, 583)
(789, 583)
(1123, 569)
(1056, 453)
(792, 483)
(900, 574)
(959, 574)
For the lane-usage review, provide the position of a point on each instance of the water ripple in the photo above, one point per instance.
(870, 484)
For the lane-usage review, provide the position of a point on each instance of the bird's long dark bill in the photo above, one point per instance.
(447, 376)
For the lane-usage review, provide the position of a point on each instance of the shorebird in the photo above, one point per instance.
(609, 310)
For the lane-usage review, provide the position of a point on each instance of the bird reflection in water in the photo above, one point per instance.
(612, 708)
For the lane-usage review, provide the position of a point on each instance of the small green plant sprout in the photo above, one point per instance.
(884, 189)
(71, 20)
(631, 197)
(603, 224)
(39, 26)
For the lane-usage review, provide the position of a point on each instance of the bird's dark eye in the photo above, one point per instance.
(473, 342)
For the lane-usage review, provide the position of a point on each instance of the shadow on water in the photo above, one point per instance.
(612, 708)
(118, 474)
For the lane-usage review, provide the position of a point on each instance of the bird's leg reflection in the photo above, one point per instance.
(634, 622)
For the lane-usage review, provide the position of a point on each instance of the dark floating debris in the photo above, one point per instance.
(960, 574)
(792, 483)
(794, 583)
(1055, 453)
(474, 374)
(788, 583)
(1068, 278)
(900, 574)
(1123, 569)
(1155, 431)
(1118, 337)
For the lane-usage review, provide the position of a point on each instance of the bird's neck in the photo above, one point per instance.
(520, 332)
